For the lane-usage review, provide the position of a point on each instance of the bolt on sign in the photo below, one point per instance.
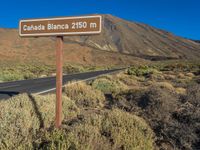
(60, 27)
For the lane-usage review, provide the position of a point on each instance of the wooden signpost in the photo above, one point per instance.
(59, 27)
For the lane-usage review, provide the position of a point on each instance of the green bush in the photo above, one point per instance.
(141, 71)
(108, 86)
(109, 130)
(84, 95)
(7, 76)
(12, 72)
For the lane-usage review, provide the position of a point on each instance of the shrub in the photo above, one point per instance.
(158, 76)
(127, 131)
(169, 76)
(19, 71)
(108, 77)
(164, 85)
(176, 66)
(190, 74)
(174, 118)
(155, 101)
(84, 95)
(193, 94)
(108, 130)
(22, 116)
(158, 102)
(141, 71)
(73, 69)
(181, 90)
(9, 76)
(108, 86)
(127, 80)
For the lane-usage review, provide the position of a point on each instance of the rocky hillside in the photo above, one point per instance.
(121, 42)
(14, 49)
(139, 40)
(198, 41)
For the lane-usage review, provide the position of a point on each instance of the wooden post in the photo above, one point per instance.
(59, 78)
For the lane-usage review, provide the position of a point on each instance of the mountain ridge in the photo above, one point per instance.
(122, 37)
(139, 39)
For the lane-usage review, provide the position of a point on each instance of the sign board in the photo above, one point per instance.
(60, 26)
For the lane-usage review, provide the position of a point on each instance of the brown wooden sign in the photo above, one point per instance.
(60, 26)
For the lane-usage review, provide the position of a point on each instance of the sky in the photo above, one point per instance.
(181, 17)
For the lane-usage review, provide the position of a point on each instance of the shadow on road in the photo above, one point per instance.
(9, 93)
(37, 112)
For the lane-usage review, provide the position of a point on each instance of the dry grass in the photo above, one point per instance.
(165, 85)
(127, 80)
(27, 121)
(190, 74)
(127, 131)
(181, 75)
(109, 130)
(84, 95)
(156, 75)
(174, 118)
(106, 85)
(180, 90)
(22, 116)
(169, 77)
(20, 71)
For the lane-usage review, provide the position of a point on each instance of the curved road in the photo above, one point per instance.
(45, 85)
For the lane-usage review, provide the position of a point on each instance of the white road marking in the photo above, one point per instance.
(46, 91)
(53, 89)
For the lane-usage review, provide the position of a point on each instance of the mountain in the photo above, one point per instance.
(198, 41)
(14, 49)
(140, 40)
(120, 43)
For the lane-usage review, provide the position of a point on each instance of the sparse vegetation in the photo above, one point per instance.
(107, 84)
(164, 85)
(141, 108)
(27, 123)
(162, 99)
(84, 95)
(13, 72)
(159, 107)
(140, 71)
(105, 130)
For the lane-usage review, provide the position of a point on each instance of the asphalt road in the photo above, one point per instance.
(44, 85)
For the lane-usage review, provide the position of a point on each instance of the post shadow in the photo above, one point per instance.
(37, 112)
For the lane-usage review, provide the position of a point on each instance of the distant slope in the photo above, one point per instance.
(120, 43)
(198, 41)
(140, 40)
(42, 50)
